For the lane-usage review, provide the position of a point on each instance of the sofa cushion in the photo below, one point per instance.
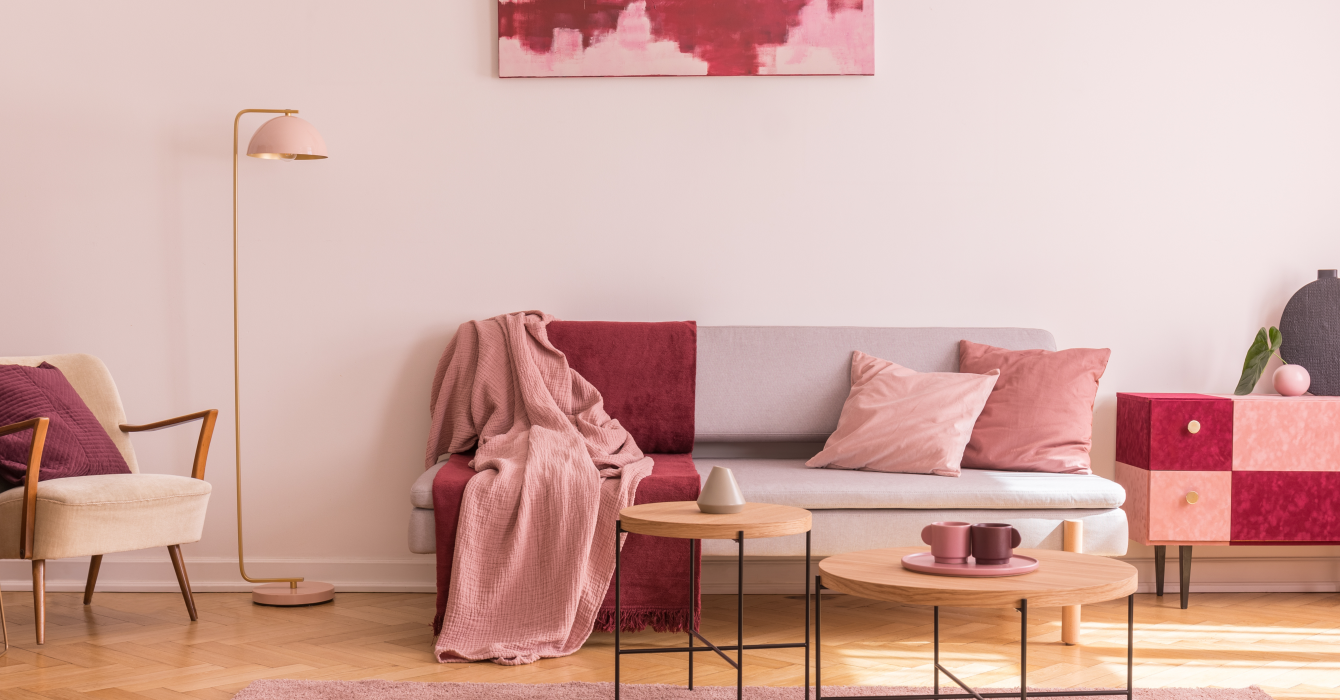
(1039, 417)
(788, 482)
(904, 421)
(421, 493)
(100, 514)
(841, 531)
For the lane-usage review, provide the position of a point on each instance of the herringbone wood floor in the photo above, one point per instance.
(141, 645)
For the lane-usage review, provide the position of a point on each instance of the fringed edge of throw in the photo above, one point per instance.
(437, 623)
(638, 620)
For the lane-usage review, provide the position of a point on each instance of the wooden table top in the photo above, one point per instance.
(1062, 578)
(682, 519)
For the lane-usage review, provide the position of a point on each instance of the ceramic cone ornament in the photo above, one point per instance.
(721, 494)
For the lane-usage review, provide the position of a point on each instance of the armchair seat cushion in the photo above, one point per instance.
(100, 514)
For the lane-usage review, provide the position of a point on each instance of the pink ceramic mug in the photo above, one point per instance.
(948, 541)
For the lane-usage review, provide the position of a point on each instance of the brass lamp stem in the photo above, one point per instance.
(237, 371)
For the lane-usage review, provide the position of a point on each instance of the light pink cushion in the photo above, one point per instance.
(899, 420)
(1040, 414)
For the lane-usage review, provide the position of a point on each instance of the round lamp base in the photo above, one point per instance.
(307, 593)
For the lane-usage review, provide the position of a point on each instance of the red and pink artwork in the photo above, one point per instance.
(571, 38)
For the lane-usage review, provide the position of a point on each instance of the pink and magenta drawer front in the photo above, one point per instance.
(1286, 507)
(1175, 432)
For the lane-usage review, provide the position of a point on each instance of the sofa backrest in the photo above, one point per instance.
(788, 383)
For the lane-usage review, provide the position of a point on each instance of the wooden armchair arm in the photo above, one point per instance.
(201, 445)
(28, 521)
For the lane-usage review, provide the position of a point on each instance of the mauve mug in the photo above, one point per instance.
(993, 543)
(948, 541)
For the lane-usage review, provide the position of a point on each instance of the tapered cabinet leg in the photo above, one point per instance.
(179, 564)
(1184, 562)
(1072, 540)
(1160, 566)
(93, 565)
(40, 599)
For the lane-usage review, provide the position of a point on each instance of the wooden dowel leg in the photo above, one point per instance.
(174, 551)
(93, 565)
(1072, 540)
(40, 599)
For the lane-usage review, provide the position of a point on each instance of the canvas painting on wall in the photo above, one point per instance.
(558, 38)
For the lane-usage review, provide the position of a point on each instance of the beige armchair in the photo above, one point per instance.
(101, 514)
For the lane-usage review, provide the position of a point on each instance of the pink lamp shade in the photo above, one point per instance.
(287, 138)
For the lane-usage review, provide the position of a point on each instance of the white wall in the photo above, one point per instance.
(1156, 177)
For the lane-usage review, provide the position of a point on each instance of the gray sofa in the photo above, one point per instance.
(768, 397)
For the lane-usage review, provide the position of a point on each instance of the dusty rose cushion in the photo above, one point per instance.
(76, 444)
(1040, 414)
(899, 420)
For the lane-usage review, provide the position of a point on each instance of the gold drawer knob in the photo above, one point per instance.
(1193, 427)
(1192, 497)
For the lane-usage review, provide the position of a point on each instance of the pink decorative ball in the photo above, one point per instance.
(1292, 380)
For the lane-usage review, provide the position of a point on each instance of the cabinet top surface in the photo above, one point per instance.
(1249, 397)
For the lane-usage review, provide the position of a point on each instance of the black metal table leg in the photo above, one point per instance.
(693, 627)
(807, 614)
(818, 642)
(618, 537)
(1130, 647)
(1160, 565)
(1184, 561)
(1023, 649)
(739, 623)
(936, 637)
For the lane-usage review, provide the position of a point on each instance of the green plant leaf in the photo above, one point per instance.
(1276, 338)
(1258, 355)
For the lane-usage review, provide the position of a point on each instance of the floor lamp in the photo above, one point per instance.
(282, 138)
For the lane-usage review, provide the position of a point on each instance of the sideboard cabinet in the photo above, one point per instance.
(1228, 470)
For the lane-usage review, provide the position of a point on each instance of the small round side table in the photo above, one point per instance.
(683, 520)
(1064, 578)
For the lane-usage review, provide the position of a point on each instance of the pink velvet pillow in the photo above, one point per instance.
(899, 420)
(1040, 414)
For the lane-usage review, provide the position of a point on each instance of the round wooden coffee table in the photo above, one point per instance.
(683, 520)
(1063, 578)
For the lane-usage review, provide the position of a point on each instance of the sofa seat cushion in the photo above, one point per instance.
(842, 531)
(788, 482)
(421, 492)
(104, 513)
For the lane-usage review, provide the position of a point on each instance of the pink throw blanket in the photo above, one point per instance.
(532, 560)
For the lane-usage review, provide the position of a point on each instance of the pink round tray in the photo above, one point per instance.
(925, 563)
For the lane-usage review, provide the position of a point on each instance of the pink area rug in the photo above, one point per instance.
(395, 690)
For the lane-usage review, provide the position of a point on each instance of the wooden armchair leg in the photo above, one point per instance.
(40, 598)
(179, 564)
(93, 566)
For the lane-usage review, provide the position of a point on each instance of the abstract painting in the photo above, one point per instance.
(558, 38)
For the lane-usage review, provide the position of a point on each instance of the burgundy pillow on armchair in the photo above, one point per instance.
(76, 444)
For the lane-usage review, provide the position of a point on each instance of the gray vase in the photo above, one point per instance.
(721, 494)
(1311, 329)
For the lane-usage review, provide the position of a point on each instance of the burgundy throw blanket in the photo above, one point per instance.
(645, 373)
